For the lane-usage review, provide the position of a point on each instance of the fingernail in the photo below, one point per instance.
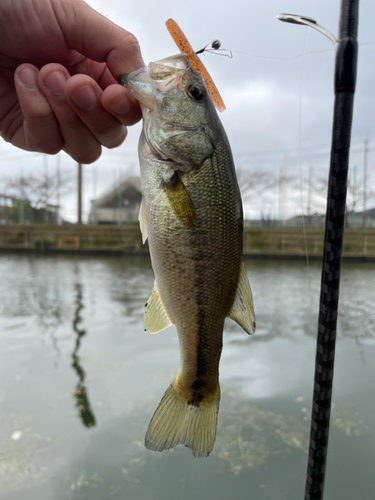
(120, 105)
(85, 98)
(29, 77)
(55, 82)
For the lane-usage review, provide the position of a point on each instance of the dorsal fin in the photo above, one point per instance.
(242, 311)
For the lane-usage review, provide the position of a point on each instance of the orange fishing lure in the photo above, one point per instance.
(183, 44)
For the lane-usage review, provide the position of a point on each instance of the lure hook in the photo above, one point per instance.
(213, 47)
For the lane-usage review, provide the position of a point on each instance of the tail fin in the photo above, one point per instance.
(178, 422)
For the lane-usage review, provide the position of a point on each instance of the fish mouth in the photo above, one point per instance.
(139, 84)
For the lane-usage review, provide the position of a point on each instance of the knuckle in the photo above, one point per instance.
(40, 113)
(43, 135)
(87, 155)
(53, 147)
(133, 48)
(132, 43)
(71, 119)
(110, 133)
(42, 132)
(117, 140)
(44, 144)
(104, 130)
(9, 130)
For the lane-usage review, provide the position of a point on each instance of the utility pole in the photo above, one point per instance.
(94, 189)
(46, 187)
(354, 194)
(21, 202)
(280, 189)
(119, 197)
(58, 164)
(365, 185)
(283, 190)
(79, 208)
(309, 215)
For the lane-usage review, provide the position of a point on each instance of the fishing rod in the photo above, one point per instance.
(344, 85)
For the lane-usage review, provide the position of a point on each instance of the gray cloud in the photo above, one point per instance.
(265, 95)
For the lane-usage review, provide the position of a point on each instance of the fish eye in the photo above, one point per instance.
(196, 91)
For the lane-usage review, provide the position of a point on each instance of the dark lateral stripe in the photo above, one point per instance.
(198, 385)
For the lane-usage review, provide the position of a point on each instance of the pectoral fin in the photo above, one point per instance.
(242, 311)
(181, 203)
(155, 318)
(142, 219)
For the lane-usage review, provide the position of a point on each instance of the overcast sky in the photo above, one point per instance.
(275, 98)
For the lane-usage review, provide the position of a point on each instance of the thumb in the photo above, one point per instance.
(98, 38)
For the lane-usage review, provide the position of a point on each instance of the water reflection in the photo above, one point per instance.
(89, 310)
(81, 393)
(131, 284)
(258, 453)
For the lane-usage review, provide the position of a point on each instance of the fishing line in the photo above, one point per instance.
(300, 163)
(215, 51)
(280, 57)
(345, 80)
(215, 47)
(345, 75)
(302, 212)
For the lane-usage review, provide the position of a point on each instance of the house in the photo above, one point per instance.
(353, 220)
(119, 205)
(314, 220)
(6, 204)
(18, 210)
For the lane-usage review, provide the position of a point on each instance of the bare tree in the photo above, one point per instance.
(317, 197)
(40, 191)
(253, 183)
(35, 196)
(355, 199)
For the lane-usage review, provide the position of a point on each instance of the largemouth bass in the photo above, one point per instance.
(192, 215)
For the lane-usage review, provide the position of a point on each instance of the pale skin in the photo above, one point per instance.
(59, 65)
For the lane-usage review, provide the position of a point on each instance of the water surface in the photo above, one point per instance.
(80, 380)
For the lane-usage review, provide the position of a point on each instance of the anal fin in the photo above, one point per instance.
(155, 318)
(242, 311)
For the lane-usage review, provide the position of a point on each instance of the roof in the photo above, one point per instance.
(131, 191)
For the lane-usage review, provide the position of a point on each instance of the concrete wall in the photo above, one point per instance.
(45, 236)
(127, 237)
(112, 215)
(292, 241)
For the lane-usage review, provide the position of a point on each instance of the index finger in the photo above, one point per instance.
(98, 38)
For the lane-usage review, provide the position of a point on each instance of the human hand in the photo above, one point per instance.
(59, 65)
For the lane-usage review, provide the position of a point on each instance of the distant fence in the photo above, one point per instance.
(295, 242)
(127, 238)
(72, 237)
